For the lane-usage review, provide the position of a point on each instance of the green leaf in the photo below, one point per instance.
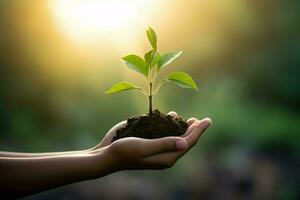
(120, 87)
(152, 37)
(152, 57)
(137, 64)
(149, 57)
(168, 58)
(182, 79)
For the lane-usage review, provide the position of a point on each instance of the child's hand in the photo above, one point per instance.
(138, 153)
(28, 174)
(107, 140)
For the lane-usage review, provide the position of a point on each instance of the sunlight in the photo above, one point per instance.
(86, 20)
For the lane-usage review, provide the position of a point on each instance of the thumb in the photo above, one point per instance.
(162, 145)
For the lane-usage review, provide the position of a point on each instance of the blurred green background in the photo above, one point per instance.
(59, 56)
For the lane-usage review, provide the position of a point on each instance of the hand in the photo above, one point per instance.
(191, 136)
(138, 153)
(23, 174)
(107, 140)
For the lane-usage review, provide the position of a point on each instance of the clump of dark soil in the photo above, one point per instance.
(152, 126)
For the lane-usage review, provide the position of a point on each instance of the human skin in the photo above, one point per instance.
(29, 173)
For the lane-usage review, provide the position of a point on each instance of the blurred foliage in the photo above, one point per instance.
(245, 56)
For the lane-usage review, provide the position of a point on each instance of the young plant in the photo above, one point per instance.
(150, 67)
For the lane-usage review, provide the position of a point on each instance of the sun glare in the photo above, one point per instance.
(86, 20)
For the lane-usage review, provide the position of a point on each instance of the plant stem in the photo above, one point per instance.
(150, 98)
(158, 87)
(144, 92)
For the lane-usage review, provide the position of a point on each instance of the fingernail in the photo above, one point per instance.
(210, 120)
(181, 144)
(207, 122)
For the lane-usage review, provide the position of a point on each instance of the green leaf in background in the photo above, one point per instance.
(152, 37)
(168, 58)
(120, 87)
(182, 79)
(137, 64)
(152, 57)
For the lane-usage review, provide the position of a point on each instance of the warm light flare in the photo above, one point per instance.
(87, 20)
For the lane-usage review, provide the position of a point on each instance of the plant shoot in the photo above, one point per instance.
(150, 66)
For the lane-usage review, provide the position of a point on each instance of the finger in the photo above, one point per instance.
(166, 160)
(119, 125)
(162, 145)
(162, 161)
(190, 128)
(194, 129)
(201, 126)
(191, 120)
(173, 114)
(110, 134)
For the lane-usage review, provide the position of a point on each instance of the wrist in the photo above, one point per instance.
(94, 148)
(102, 163)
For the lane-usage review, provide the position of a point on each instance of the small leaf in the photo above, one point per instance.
(182, 79)
(152, 57)
(149, 57)
(120, 87)
(137, 63)
(156, 58)
(168, 58)
(152, 37)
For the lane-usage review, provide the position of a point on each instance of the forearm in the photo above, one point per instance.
(29, 155)
(25, 176)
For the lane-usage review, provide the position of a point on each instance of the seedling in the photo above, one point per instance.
(150, 68)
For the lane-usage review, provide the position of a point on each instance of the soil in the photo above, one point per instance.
(150, 126)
